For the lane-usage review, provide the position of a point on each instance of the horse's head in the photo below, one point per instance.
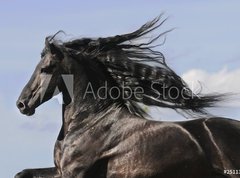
(43, 82)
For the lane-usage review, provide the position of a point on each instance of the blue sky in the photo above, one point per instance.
(204, 47)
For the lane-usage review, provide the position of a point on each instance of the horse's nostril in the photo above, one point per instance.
(20, 105)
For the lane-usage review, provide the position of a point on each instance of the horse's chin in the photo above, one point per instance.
(31, 113)
(28, 112)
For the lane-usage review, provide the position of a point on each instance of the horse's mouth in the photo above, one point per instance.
(28, 112)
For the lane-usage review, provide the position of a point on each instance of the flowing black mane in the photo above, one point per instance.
(137, 64)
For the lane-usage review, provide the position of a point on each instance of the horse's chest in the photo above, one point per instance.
(79, 151)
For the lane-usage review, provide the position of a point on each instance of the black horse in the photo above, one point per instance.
(104, 132)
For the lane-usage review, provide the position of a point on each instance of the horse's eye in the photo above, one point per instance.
(43, 54)
(48, 69)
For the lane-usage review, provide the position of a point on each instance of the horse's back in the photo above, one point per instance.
(226, 133)
(157, 149)
(165, 149)
(219, 138)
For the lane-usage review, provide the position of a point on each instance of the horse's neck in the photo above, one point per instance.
(82, 105)
(84, 120)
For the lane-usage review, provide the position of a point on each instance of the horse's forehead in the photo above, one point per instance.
(45, 60)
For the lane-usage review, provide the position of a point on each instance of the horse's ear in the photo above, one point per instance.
(47, 43)
(54, 49)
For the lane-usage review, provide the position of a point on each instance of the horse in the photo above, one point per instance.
(106, 84)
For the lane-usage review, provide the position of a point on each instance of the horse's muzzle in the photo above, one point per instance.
(24, 109)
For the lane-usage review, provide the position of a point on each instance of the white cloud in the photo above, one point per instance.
(223, 81)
